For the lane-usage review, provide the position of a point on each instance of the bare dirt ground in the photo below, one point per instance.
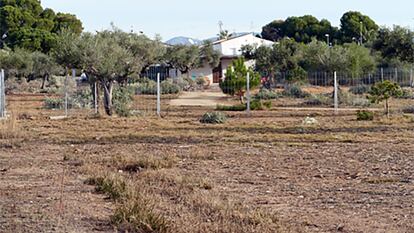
(267, 173)
(198, 98)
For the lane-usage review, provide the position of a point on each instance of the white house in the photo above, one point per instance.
(230, 49)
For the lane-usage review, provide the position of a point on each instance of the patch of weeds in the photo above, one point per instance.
(149, 162)
(213, 118)
(234, 108)
(137, 214)
(54, 103)
(382, 180)
(295, 91)
(266, 94)
(364, 115)
(112, 185)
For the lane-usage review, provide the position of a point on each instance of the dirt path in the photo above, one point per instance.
(198, 98)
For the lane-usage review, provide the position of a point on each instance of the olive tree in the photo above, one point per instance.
(21, 63)
(102, 57)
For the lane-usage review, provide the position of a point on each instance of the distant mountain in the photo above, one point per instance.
(181, 40)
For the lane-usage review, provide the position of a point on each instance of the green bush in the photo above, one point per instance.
(213, 118)
(186, 83)
(235, 108)
(364, 115)
(81, 99)
(267, 104)
(260, 105)
(265, 94)
(168, 87)
(295, 91)
(149, 87)
(122, 99)
(112, 185)
(359, 90)
(54, 103)
(254, 105)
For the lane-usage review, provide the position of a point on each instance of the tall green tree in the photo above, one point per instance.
(25, 24)
(301, 29)
(354, 25)
(396, 43)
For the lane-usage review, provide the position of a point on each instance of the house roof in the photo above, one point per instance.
(235, 37)
(230, 38)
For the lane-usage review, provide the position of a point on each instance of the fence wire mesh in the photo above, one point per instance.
(75, 95)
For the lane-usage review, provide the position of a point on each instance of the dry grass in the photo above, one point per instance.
(267, 173)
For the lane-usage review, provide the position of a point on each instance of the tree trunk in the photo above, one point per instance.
(95, 99)
(107, 88)
(44, 79)
(387, 108)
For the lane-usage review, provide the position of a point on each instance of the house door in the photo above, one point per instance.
(217, 74)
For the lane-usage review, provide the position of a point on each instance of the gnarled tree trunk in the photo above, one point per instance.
(44, 79)
(107, 88)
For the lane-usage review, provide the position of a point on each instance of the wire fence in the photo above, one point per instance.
(154, 93)
(2, 95)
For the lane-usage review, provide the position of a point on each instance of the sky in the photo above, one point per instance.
(199, 19)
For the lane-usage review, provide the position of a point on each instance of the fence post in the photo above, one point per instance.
(95, 93)
(396, 75)
(248, 93)
(411, 77)
(66, 92)
(158, 95)
(335, 93)
(382, 74)
(2, 95)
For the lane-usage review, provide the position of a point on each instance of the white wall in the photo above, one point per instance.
(232, 47)
(205, 71)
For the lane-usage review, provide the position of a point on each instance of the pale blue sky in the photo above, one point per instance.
(199, 19)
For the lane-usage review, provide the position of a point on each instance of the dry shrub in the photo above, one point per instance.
(137, 214)
(10, 131)
(135, 211)
(112, 185)
(228, 216)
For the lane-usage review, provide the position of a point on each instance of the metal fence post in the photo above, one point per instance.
(158, 95)
(66, 92)
(2, 95)
(396, 75)
(248, 92)
(411, 77)
(382, 74)
(335, 93)
(95, 93)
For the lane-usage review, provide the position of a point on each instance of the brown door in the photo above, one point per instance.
(217, 74)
